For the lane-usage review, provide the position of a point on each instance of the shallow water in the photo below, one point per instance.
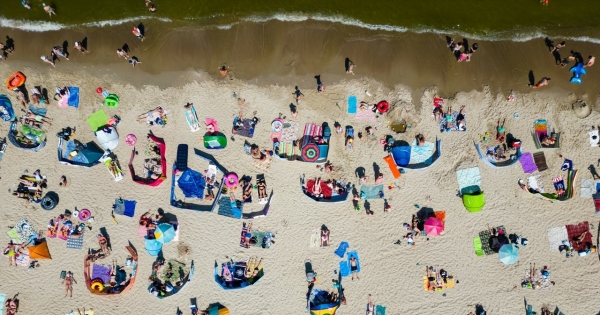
(483, 19)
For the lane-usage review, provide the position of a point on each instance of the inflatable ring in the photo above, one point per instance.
(311, 153)
(97, 285)
(111, 101)
(383, 106)
(15, 80)
(84, 214)
(49, 201)
(231, 180)
(130, 139)
(277, 126)
(99, 90)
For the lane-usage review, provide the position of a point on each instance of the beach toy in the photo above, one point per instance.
(231, 180)
(577, 71)
(383, 107)
(111, 101)
(15, 80)
(97, 285)
(99, 90)
(277, 126)
(130, 139)
(84, 214)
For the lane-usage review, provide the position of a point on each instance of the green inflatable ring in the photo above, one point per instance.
(112, 100)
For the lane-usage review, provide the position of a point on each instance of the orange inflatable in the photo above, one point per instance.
(15, 80)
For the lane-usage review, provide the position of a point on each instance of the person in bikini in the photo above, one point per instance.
(431, 278)
(415, 222)
(370, 306)
(542, 82)
(261, 186)
(316, 191)
(12, 252)
(151, 115)
(103, 244)
(579, 238)
(500, 131)
(448, 118)
(353, 267)
(68, 282)
(38, 118)
(460, 119)
(247, 235)
(324, 237)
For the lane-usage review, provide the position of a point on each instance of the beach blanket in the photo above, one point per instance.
(75, 243)
(315, 238)
(22, 231)
(379, 310)
(421, 154)
(575, 230)
(247, 129)
(344, 269)
(366, 115)
(352, 104)
(2, 299)
(540, 161)
(485, 240)
(325, 190)
(341, 250)
(371, 192)
(41, 111)
(468, 177)
(102, 272)
(289, 132)
(454, 123)
(97, 120)
(73, 99)
(527, 163)
(588, 188)
(230, 208)
(556, 235)
(126, 208)
(178, 268)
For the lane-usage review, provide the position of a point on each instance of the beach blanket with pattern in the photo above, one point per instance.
(247, 129)
(75, 243)
(22, 231)
(468, 177)
(179, 271)
(485, 240)
(421, 154)
(454, 123)
(289, 132)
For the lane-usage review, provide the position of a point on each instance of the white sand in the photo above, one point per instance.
(389, 271)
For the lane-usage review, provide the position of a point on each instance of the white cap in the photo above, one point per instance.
(43, 57)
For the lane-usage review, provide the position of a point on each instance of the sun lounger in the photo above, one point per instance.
(192, 118)
(540, 161)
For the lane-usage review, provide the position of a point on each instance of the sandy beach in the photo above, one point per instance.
(267, 61)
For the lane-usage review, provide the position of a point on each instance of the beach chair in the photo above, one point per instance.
(541, 129)
(478, 247)
(530, 311)
(111, 164)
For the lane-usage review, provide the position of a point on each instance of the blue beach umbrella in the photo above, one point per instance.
(164, 233)
(509, 254)
(153, 246)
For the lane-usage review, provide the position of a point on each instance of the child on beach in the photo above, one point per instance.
(298, 95)
(320, 86)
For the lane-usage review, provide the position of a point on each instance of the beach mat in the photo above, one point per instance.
(352, 104)
(181, 161)
(341, 250)
(315, 238)
(421, 154)
(468, 177)
(555, 236)
(575, 230)
(97, 120)
(73, 99)
(371, 192)
(246, 131)
(75, 243)
(366, 115)
(379, 310)
(126, 207)
(41, 111)
(344, 269)
(527, 163)
(540, 161)
(102, 272)
(485, 240)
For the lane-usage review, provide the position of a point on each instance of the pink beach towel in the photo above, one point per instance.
(366, 115)
(527, 163)
(64, 101)
(210, 121)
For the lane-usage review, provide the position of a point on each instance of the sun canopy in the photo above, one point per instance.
(39, 251)
(153, 246)
(192, 184)
(164, 233)
(434, 226)
(108, 138)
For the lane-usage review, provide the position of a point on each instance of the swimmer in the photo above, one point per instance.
(223, 70)
(542, 82)
(349, 66)
(152, 8)
(591, 60)
(133, 61)
(48, 9)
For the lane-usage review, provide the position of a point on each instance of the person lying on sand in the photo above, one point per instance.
(68, 282)
(38, 118)
(542, 82)
(460, 119)
(151, 115)
(579, 238)
(431, 278)
(500, 131)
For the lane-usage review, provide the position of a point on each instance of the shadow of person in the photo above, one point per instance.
(10, 43)
(142, 29)
(531, 77)
(465, 45)
(360, 172)
(549, 43)
(448, 42)
(65, 47)
(593, 171)
(125, 48)
(557, 57)
(54, 57)
(84, 43)
(367, 206)
(376, 169)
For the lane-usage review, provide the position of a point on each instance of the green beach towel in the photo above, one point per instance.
(97, 120)
(477, 245)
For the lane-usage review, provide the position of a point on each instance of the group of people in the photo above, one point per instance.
(536, 280)
(460, 51)
(436, 278)
(159, 287)
(31, 188)
(317, 189)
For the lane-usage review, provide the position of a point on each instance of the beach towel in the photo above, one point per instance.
(75, 243)
(102, 272)
(597, 202)
(379, 310)
(355, 255)
(575, 230)
(230, 208)
(352, 104)
(540, 161)
(535, 183)
(341, 250)
(344, 269)
(371, 192)
(325, 190)
(556, 235)
(70, 147)
(125, 207)
(247, 129)
(142, 231)
(22, 231)
(468, 178)
(454, 123)
(588, 188)
(484, 236)
(73, 99)
(41, 111)
(315, 238)
(192, 119)
(527, 163)
(97, 120)
(2, 299)
(478, 247)
(559, 186)
(366, 115)
(421, 154)
(289, 132)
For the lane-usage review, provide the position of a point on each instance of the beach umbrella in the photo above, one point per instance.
(153, 246)
(310, 152)
(108, 138)
(434, 226)
(581, 109)
(509, 254)
(164, 233)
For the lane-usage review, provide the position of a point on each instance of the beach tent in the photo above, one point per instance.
(39, 251)
(108, 138)
(514, 158)
(6, 110)
(88, 156)
(217, 309)
(151, 181)
(29, 138)
(91, 273)
(192, 184)
(414, 157)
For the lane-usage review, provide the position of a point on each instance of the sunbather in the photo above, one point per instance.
(353, 267)
(38, 118)
(438, 114)
(190, 115)
(246, 190)
(431, 278)
(261, 186)
(316, 191)
(460, 119)
(249, 267)
(12, 305)
(68, 282)
(448, 118)
(103, 244)
(500, 131)
(151, 115)
(37, 97)
(579, 238)
(415, 222)
(247, 235)
(420, 139)
(257, 268)
(546, 140)
(370, 306)
(324, 237)
(113, 274)
(438, 277)
(11, 252)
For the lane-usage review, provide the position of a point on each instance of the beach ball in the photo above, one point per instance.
(99, 90)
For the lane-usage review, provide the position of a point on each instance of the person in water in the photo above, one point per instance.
(542, 82)
(48, 9)
(591, 60)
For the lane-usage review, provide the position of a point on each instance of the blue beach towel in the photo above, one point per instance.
(38, 110)
(344, 269)
(341, 250)
(2, 298)
(73, 100)
(352, 104)
(355, 255)
(371, 192)
(129, 208)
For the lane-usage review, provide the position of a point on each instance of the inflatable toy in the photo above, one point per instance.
(111, 101)
(97, 285)
(130, 139)
(231, 180)
(84, 215)
(578, 70)
(383, 107)
(99, 90)
(15, 80)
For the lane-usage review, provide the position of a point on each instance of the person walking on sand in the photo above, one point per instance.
(136, 31)
(122, 53)
(591, 60)
(133, 61)
(320, 84)
(47, 60)
(298, 95)
(542, 82)
(68, 282)
(48, 9)
(80, 48)
(349, 66)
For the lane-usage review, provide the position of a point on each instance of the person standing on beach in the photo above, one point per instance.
(542, 82)
(298, 95)
(48, 9)
(136, 31)
(320, 85)
(591, 60)
(122, 53)
(349, 66)
(47, 60)
(558, 46)
(133, 61)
